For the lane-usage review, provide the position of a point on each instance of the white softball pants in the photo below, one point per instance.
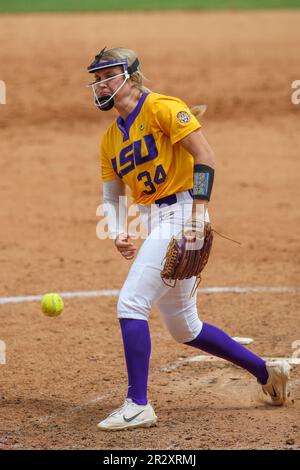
(144, 286)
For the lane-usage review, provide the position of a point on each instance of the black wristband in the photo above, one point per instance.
(203, 181)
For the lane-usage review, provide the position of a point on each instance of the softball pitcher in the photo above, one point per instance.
(156, 147)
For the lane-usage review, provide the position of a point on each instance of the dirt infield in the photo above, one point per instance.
(64, 374)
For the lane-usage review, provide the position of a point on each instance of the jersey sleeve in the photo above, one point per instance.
(107, 171)
(174, 118)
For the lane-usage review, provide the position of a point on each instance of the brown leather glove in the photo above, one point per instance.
(188, 253)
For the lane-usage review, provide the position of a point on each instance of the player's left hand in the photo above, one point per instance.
(194, 230)
(188, 252)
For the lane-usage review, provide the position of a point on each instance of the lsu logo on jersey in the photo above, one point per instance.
(131, 157)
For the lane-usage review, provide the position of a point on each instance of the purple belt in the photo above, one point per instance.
(168, 200)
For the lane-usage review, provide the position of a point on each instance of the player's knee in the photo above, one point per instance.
(183, 333)
(133, 307)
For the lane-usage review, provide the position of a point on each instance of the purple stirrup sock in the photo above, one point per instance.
(216, 342)
(137, 348)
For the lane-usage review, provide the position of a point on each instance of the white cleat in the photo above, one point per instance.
(129, 415)
(276, 387)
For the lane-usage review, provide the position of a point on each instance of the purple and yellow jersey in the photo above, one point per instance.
(144, 151)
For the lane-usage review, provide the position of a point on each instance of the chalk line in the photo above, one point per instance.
(116, 292)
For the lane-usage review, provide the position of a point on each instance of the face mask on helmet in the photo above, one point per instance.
(106, 102)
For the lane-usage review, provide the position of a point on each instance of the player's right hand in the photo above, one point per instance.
(125, 246)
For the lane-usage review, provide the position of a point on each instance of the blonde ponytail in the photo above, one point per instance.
(198, 110)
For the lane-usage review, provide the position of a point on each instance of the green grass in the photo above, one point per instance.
(21, 6)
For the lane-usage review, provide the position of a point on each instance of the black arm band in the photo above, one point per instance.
(203, 181)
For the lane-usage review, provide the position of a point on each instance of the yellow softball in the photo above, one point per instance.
(52, 304)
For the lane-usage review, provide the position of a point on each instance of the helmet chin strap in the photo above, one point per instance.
(105, 103)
